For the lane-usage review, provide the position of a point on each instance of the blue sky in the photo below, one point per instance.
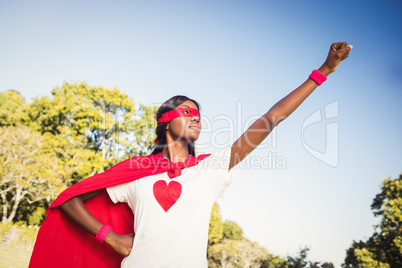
(238, 58)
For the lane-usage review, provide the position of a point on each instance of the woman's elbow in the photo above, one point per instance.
(70, 204)
(274, 117)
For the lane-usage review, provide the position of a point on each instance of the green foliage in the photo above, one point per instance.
(28, 169)
(96, 118)
(300, 261)
(232, 231)
(274, 262)
(144, 125)
(242, 253)
(5, 228)
(228, 248)
(18, 235)
(13, 109)
(57, 141)
(365, 259)
(37, 216)
(26, 235)
(384, 247)
(215, 233)
(219, 230)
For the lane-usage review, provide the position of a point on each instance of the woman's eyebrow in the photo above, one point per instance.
(189, 107)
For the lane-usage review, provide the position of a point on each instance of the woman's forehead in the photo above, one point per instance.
(188, 103)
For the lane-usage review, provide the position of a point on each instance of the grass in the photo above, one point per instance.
(12, 257)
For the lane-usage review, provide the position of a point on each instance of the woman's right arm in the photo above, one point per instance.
(263, 126)
(77, 212)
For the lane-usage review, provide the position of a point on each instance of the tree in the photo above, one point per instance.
(101, 122)
(13, 109)
(242, 253)
(144, 125)
(28, 169)
(219, 230)
(29, 159)
(59, 140)
(95, 118)
(228, 248)
(301, 261)
(232, 231)
(215, 232)
(365, 259)
(384, 247)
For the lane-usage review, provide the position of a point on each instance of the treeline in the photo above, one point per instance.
(227, 247)
(80, 130)
(56, 141)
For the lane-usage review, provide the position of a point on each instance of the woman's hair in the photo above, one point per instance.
(167, 106)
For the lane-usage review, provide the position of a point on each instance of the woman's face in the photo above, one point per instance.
(184, 127)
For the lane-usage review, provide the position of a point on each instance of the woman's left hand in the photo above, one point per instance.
(122, 244)
(337, 53)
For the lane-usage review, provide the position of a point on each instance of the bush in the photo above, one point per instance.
(18, 235)
(5, 228)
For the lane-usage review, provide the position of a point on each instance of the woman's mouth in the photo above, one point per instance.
(196, 127)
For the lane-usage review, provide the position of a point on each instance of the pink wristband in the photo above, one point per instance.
(318, 77)
(103, 232)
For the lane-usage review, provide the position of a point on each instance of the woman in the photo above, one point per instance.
(170, 192)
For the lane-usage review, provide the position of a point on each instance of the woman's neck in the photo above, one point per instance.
(176, 151)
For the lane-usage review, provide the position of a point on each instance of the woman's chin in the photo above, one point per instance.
(193, 138)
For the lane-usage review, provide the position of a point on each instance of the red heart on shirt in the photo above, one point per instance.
(165, 194)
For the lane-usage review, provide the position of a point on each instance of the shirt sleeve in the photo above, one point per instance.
(217, 165)
(119, 193)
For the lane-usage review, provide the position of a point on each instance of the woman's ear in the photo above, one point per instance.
(167, 126)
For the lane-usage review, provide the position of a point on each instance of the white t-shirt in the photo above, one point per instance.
(171, 216)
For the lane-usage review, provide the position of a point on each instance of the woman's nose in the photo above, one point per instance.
(196, 118)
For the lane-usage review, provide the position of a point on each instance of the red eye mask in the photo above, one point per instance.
(187, 112)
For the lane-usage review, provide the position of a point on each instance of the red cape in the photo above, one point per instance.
(61, 243)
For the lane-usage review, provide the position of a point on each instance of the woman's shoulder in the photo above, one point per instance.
(220, 153)
(135, 161)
